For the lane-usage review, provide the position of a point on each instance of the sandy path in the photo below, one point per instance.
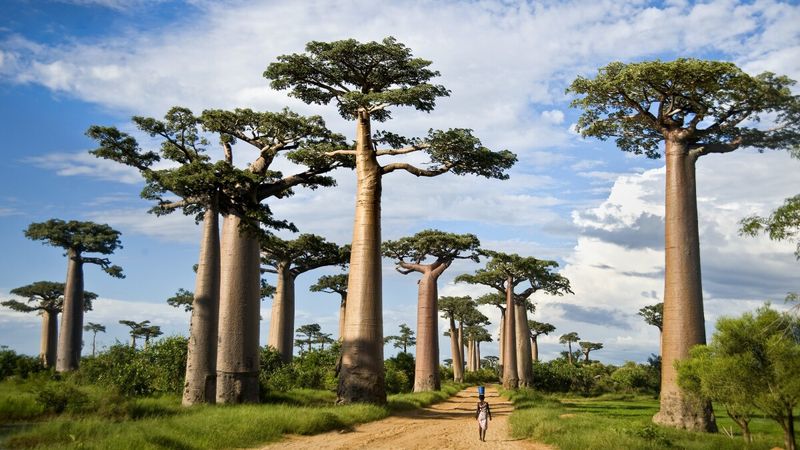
(447, 425)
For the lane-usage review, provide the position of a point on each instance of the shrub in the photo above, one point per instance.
(12, 364)
(58, 397)
(400, 373)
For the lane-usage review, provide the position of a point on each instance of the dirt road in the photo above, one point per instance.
(447, 425)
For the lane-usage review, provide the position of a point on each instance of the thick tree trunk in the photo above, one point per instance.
(281, 327)
(69, 340)
(478, 355)
(342, 312)
(426, 368)
(239, 314)
(523, 333)
(469, 356)
(510, 377)
(586, 356)
(201, 360)
(49, 340)
(461, 345)
(458, 371)
(361, 378)
(535, 348)
(684, 324)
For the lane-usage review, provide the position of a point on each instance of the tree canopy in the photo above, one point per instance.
(331, 284)
(653, 315)
(412, 251)
(44, 295)
(81, 237)
(712, 106)
(539, 328)
(404, 340)
(305, 253)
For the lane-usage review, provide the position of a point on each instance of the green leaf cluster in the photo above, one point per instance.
(442, 246)
(45, 296)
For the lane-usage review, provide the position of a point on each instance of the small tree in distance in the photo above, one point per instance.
(569, 338)
(587, 347)
(94, 328)
(404, 340)
(334, 284)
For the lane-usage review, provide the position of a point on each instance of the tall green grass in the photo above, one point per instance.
(153, 423)
(616, 422)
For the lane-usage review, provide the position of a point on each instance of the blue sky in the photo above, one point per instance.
(66, 65)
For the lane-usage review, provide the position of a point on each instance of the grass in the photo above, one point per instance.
(614, 421)
(155, 423)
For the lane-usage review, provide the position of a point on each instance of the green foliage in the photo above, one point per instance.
(58, 397)
(370, 76)
(640, 103)
(45, 296)
(158, 369)
(307, 252)
(19, 366)
(404, 340)
(636, 378)
(782, 224)
(653, 315)
(182, 298)
(539, 328)
(399, 373)
(443, 247)
(484, 375)
(315, 369)
(331, 284)
(82, 237)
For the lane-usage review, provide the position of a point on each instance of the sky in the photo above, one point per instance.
(69, 64)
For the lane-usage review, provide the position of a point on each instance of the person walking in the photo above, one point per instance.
(484, 414)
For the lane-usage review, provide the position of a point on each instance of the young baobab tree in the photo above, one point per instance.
(47, 298)
(410, 253)
(78, 239)
(136, 329)
(305, 142)
(404, 340)
(307, 335)
(587, 347)
(334, 284)
(365, 81)
(695, 108)
(569, 338)
(452, 308)
(537, 329)
(289, 259)
(94, 328)
(504, 272)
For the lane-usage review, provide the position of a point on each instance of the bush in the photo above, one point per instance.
(314, 369)
(400, 373)
(485, 375)
(58, 397)
(21, 366)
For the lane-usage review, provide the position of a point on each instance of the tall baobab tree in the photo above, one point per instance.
(403, 340)
(497, 300)
(304, 141)
(569, 338)
(289, 259)
(47, 298)
(504, 272)
(94, 328)
(334, 284)
(452, 309)
(587, 347)
(410, 253)
(474, 335)
(366, 80)
(78, 239)
(469, 318)
(695, 108)
(537, 329)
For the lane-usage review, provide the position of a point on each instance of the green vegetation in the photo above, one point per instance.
(618, 421)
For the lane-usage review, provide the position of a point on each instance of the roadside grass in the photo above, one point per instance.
(620, 421)
(155, 423)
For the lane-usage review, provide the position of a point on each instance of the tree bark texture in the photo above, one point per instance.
(239, 314)
(69, 340)
(281, 326)
(684, 324)
(458, 367)
(510, 377)
(49, 341)
(361, 378)
(524, 364)
(461, 344)
(342, 312)
(426, 368)
(200, 385)
(501, 340)
(535, 348)
(470, 356)
(477, 356)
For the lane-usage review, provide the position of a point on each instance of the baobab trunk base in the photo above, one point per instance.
(361, 386)
(237, 387)
(678, 411)
(427, 384)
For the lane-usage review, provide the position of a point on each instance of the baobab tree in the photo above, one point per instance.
(78, 239)
(322, 339)
(569, 338)
(695, 108)
(504, 272)
(452, 308)
(469, 318)
(305, 142)
(47, 299)
(537, 329)
(94, 328)
(150, 332)
(403, 340)
(474, 335)
(137, 329)
(307, 335)
(366, 80)
(289, 259)
(199, 185)
(654, 315)
(497, 300)
(334, 284)
(587, 347)
(410, 253)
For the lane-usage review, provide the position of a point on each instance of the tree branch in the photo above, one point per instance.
(416, 171)
(699, 150)
(340, 152)
(402, 151)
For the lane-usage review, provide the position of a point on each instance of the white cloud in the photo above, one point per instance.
(85, 164)
(174, 227)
